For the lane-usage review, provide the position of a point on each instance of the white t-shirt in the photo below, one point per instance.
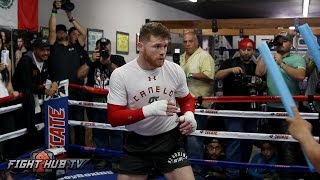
(134, 87)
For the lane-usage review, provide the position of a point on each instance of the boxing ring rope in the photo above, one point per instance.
(18, 133)
(103, 151)
(206, 112)
(9, 98)
(216, 99)
(203, 133)
(10, 108)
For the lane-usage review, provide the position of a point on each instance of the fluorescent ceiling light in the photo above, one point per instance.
(292, 28)
(305, 9)
(193, 0)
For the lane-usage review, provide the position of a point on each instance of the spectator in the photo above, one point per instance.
(7, 123)
(215, 151)
(266, 156)
(29, 76)
(293, 70)
(198, 66)
(238, 73)
(98, 73)
(64, 62)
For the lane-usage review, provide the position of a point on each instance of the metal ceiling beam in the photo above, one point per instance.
(250, 23)
(236, 32)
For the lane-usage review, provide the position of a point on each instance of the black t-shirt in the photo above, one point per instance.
(118, 60)
(99, 74)
(236, 86)
(64, 62)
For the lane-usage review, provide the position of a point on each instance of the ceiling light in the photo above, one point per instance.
(292, 28)
(305, 9)
(193, 0)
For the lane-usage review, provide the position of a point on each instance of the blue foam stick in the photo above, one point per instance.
(277, 78)
(311, 42)
(281, 85)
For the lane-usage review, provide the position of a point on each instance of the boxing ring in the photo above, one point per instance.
(89, 172)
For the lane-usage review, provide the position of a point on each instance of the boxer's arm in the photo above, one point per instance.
(186, 103)
(119, 115)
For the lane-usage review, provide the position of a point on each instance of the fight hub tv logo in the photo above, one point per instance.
(44, 162)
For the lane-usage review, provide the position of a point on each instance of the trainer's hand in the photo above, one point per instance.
(160, 108)
(298, 127)
(189, 123)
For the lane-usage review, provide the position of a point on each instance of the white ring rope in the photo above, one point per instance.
(70, 102)
(204, 133)
(18, 133)
(252, 114)
(10, 108)
(88, 104)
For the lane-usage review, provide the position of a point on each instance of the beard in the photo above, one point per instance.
(154, 62)
(282, 50)
(61, 38)
(245, 58)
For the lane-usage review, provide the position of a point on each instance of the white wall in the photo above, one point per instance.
(115, 15)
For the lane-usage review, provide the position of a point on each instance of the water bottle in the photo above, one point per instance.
(5, 57)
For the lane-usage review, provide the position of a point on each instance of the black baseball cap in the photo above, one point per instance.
(61, 27)
(41, 42)
(285, 35)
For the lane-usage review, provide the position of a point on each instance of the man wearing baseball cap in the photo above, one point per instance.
(237, 74)
(32, 72)
(293, 69)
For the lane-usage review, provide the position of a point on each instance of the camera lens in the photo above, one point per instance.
(104, 53)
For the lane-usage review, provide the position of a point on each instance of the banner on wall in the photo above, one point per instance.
(8, 11)
(19, 14)
(27, 11)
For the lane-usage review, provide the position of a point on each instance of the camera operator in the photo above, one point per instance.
(239, 80)
(293, 70)
(98, 72)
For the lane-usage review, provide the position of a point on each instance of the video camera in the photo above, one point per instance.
(276, 42)
(104, 53)
(251, 82)
(67, 5)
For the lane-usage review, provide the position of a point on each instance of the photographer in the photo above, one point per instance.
(239, 80)
(293, 70)
(65, 60)
(98, 72)
(101, 56)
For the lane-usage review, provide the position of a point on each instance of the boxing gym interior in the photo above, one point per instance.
(160, 89)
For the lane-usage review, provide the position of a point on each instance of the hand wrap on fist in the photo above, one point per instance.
(160, 108)
(189, 117)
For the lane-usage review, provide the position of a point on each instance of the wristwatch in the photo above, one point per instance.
(190, 76)
(282, 64)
